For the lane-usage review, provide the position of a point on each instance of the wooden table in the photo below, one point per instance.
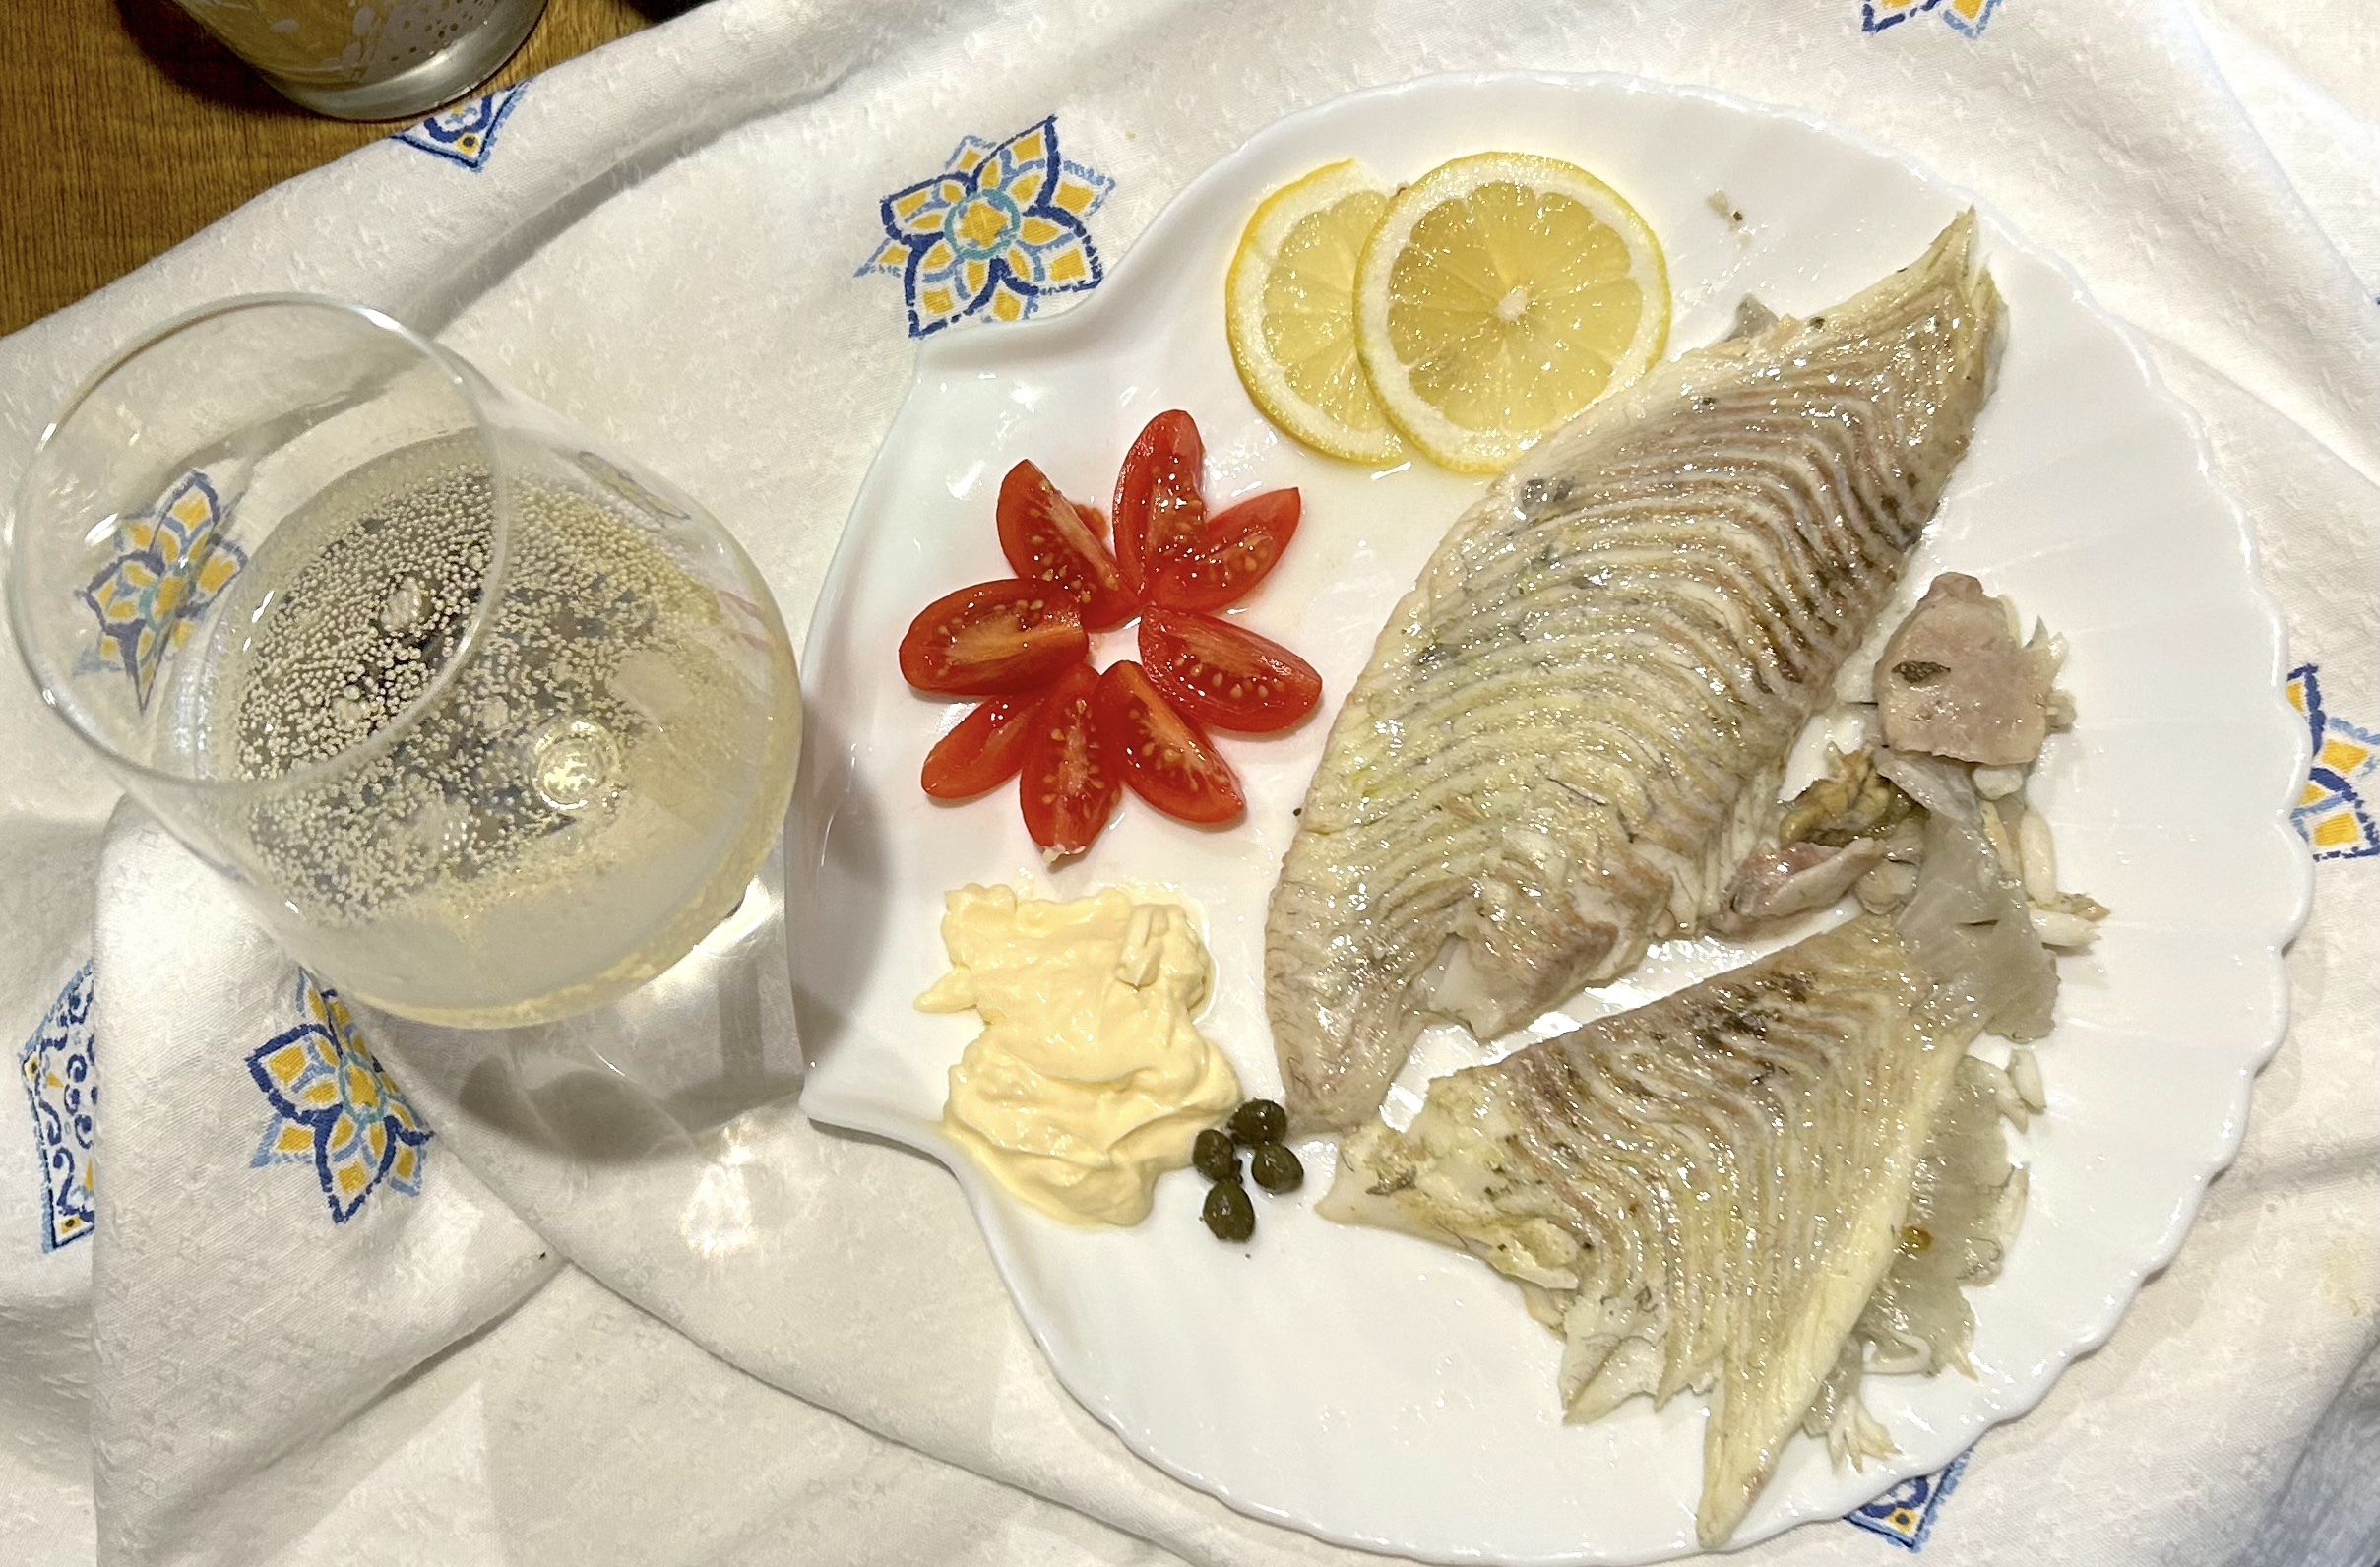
(125, 128)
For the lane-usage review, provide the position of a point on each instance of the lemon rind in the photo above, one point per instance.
(1454, 446)
(1243, 313)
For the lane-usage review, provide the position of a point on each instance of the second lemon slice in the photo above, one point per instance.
(1497, 296)
(1289, 304)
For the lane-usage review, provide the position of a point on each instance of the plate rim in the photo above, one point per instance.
(2290, 858)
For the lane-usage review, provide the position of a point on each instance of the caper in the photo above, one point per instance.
(1213, 1156)
(1258, 1121)
(1276, 1168)
(1227, 1213)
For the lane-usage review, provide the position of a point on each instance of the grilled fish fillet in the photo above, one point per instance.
(1703, 1192)
(1572, 728)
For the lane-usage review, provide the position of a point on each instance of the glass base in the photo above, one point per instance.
(439, 80)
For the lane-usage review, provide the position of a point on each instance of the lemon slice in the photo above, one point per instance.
(1499, 295)
(1289, 306)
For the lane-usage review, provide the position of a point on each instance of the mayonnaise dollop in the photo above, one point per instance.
(1088, 1080)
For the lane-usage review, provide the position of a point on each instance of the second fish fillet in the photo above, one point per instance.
(1704, 1192)
(1571, 729)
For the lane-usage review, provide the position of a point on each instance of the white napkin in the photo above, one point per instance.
(45, 1209)
(661, 240)
(240, 1305)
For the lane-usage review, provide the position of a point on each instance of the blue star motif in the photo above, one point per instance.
(169, 564)
(2332, 813)
(335, 1107)
(466, 133)
(1967, 17)
(999, 231)
(1905, 1515)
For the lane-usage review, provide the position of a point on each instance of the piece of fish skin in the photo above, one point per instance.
(1571, 729)
(1709, 1188)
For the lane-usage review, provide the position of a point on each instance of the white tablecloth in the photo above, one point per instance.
(758, 1344)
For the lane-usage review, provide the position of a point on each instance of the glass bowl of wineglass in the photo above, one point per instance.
(488, 727)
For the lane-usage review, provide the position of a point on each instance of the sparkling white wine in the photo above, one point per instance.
(505, 817)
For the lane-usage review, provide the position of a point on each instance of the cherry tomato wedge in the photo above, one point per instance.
(1047, 538)
(1224, 675)
(1239, 547)
(1159, 512)
(1071, 781)
(1167, 760)
(993, 639)
(983, 750)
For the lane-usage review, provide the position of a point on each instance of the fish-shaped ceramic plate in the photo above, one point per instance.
(1366, 1387)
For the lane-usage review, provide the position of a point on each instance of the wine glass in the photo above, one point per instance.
(488, 726)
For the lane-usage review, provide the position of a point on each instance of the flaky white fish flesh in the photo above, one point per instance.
(1572, 728)
(1702, 1193)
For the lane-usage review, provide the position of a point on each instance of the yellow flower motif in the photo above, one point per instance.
(997, 231)
(1969, 17)
(169, 566)
(335, 1107)
(1906, 1514)
(2330, 811)
(466, 133)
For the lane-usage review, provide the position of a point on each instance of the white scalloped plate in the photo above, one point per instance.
(1373, 1390)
